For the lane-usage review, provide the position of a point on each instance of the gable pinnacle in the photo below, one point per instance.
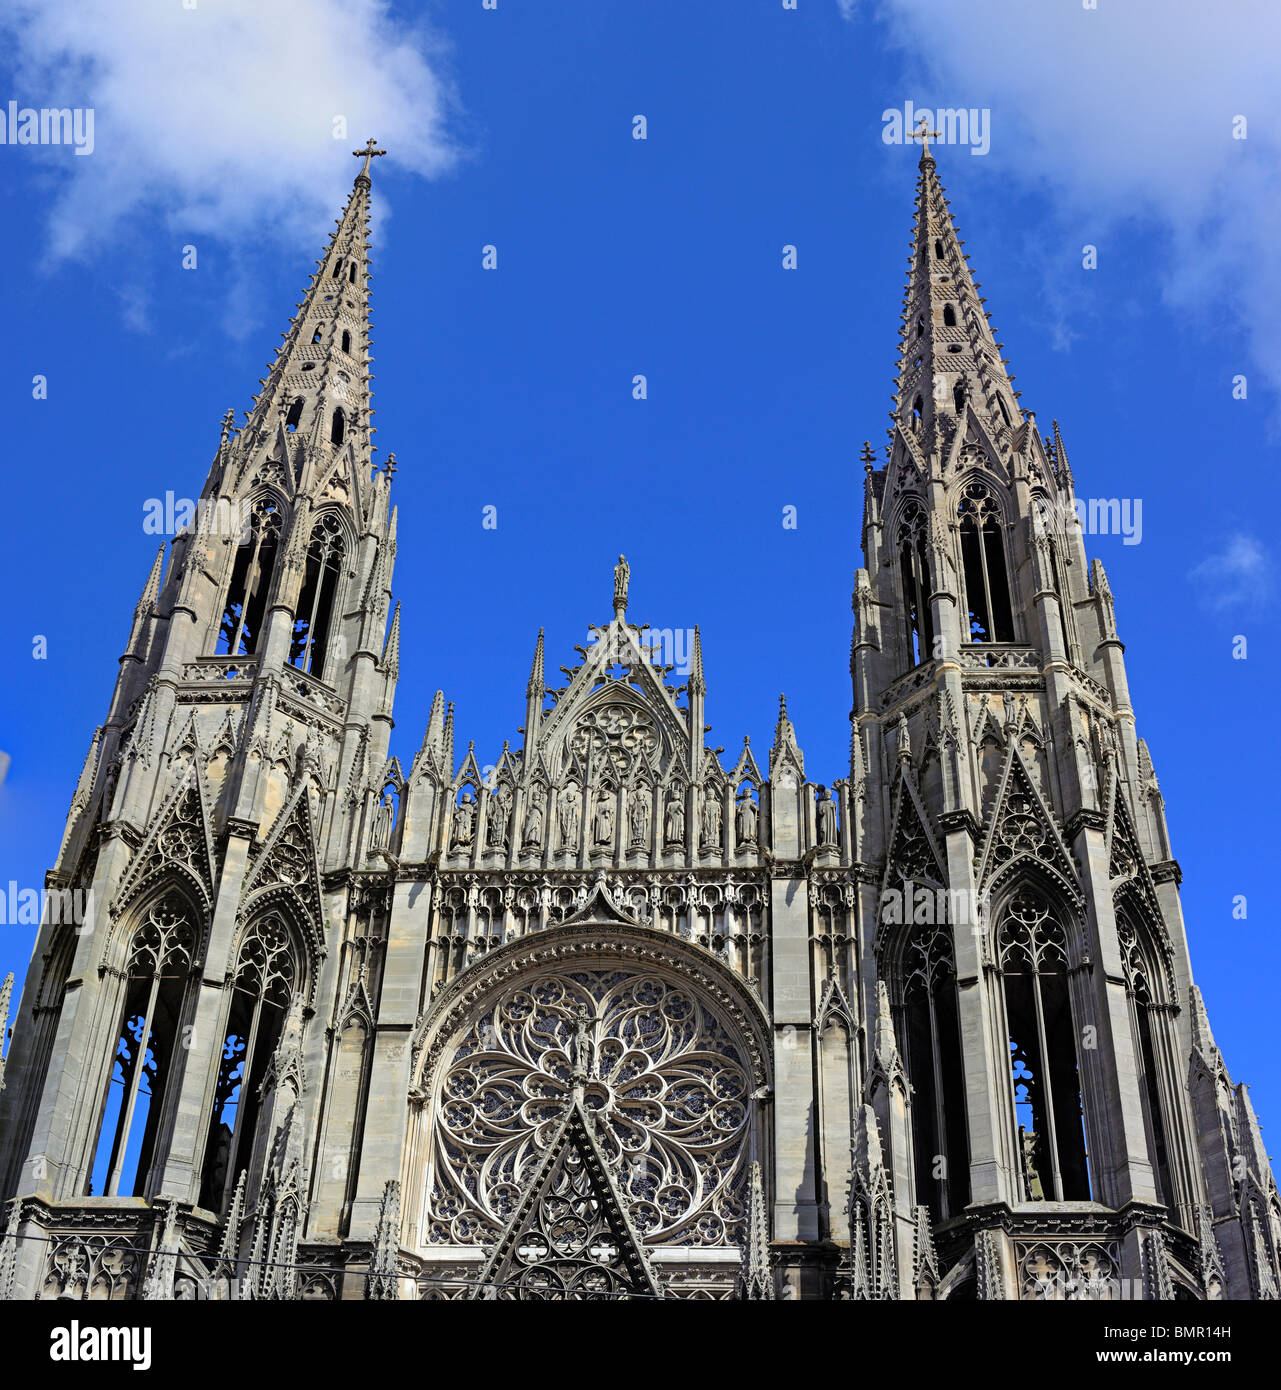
(537, 678)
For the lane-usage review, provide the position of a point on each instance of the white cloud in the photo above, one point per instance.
(1126, 111)
(221, 117)
(1238, 576)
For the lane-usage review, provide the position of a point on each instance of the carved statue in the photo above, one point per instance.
(603, 828)
(622, 573)
(640, 818)
(384, 819)
(534, 823)
(464, 821)
(711, 818)
(675, 821)
(827, 818)
(745, 818)
(496, 830)
(581, 1050)
(569, 813)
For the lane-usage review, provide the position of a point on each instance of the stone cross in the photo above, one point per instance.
(370, 152)
(922, 133)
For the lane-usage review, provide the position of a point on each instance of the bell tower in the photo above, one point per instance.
(1025, 919)
(165, 1047)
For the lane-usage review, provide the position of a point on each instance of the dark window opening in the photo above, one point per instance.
(146, 1056)
(933, 1054)
(1005, 414)
(917, 406)
(346, 341)
(1043, 1064)
(915, 574)
(351, 278)
(315, 337)
(920, 325)
(987, 589)
(294, 418)
(309, 644)
(938, 250)
(958, 397)
(338, 427)
(250, 586)
(265, 979)
(337, 268)
(949, 316)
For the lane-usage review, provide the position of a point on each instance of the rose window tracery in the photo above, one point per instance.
(614, 736)
(657, 1070)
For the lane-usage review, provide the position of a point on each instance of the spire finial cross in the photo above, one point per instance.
(924, 134)
(369, 152)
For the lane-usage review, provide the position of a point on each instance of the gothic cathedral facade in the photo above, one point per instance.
(616, 1017)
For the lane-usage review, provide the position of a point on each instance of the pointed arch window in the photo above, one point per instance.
(315, 337)
(1144, 1021)
(920, 325)
(244, 612)
(932, 1052)
(914, 571)
(266, 978)
(146, 1051)
(293, 417)
(346, 340)
(351, 276)
(958, 397)
(987, 588)
(314, 617)
(338, 427)
(1044, 1074)
(918, 405)
(949, 316)
(337, 271)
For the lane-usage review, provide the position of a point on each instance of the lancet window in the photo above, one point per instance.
(1044, 1073)
(143, 1064)
(914, 570)
(314, 616)
(265, 980)
(245, 610)
(987, 587)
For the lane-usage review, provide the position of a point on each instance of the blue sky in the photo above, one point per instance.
(512, 388)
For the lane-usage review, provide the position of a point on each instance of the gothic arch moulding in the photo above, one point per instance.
(662, 1044)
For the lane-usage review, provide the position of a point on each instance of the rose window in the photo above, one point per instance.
(657, 1071)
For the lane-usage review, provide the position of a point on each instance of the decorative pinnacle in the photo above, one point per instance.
(924, 134)
(868, 457)
(370, 152)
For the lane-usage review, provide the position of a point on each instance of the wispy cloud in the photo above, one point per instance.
(221, 119)
(1127, 111)
(1238, 576)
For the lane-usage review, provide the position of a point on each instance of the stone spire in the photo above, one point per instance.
(785, 748)
(391, 651)
(322, 366)
(535, 694)
(6, 991)
(948, 355)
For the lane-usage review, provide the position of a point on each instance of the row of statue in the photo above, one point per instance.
(602, 827)
(602, 823)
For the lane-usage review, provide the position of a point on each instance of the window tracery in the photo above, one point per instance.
(657, 1070)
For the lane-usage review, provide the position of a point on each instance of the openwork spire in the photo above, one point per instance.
(949, 358)
(318, 385)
